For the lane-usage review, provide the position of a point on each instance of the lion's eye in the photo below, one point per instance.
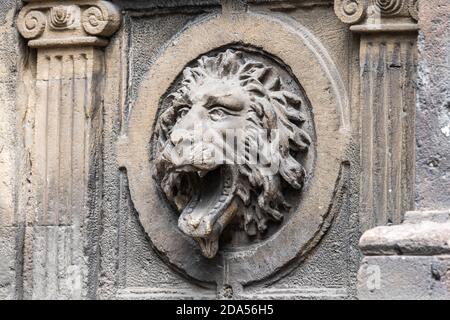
(182, 112)
(217, 113)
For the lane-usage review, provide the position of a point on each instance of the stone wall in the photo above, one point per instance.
(10, 141)
(410, 261)
(87, 212)
(433, 110)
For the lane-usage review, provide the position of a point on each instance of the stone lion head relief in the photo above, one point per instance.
(228, 146)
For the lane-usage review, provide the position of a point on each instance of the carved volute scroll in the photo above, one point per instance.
(67, 137)
(388, 50)
(351, 11)
(68, 23)
(229, 147)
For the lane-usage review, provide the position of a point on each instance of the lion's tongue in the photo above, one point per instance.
(207, 215)
(209, 247)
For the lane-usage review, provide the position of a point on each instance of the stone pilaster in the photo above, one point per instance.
(410, 260)
(387, 30)
(68, 37)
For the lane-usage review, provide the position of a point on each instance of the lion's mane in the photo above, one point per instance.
(273, 107)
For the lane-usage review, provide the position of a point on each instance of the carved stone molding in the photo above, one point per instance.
(67, 138)
(64, 17)
(68, 23)
(350, 11)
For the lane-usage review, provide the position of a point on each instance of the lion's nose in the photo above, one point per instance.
(194, 223)
(176, 138)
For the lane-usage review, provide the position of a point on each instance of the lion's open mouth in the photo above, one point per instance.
(211, 208)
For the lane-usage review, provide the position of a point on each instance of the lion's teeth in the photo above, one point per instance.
(202, 174)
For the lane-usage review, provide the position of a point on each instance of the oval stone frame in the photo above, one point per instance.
(315, 71)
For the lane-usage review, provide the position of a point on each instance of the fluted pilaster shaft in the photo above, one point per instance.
(68, 37)
(388, 61)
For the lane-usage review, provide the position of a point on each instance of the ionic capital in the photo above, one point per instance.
(68, 23)
(378, 15)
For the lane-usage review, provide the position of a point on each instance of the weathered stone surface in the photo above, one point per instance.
(8, 125)
(332, 115)
(82, 92)
(388, 63)
(57, 260)
(404, 278)
(141, 268)
(154, 4)
(410, 238)
(66, 99)
(423, 233)
(433, 109)
(433, 216)
(407, 261)
(8, 266)
(9, 148)
(401, 261)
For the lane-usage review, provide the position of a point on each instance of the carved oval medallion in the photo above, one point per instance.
(238, 223)
(231, 147)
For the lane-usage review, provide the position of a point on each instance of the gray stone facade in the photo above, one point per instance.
(412, 259)
(95, 204)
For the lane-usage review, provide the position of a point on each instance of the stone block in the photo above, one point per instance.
(7, 262)
(425, 238)
(407, 261)
(404, 278)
